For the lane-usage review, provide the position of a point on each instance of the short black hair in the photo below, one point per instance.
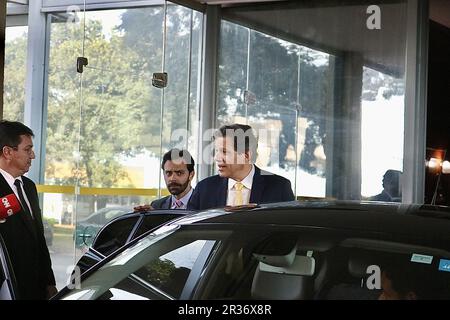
(243, 136)
(177, 154)
(11, 132)
(392, 176)
(406, 276)
(391, 179)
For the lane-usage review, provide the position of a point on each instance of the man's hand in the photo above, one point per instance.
(145, 207)
(51, 291)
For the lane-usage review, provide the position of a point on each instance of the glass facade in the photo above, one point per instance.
(108, 127)
(317, 92)
(323, 85)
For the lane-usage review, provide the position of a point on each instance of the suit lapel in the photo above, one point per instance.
(5, 189)
(222, 193)
(257, 187)
(166, 203)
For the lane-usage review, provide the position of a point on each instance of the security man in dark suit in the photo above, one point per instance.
(239, 181)
(23, 232)
(178, 169)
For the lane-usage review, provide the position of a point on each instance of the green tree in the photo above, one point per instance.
(14, 78)
(100, 121)
(143, 33)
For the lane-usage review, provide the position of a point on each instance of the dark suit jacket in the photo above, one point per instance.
(212, 191)
(162, 203)
(25, 243)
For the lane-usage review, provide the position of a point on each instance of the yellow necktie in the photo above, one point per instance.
(238, 201)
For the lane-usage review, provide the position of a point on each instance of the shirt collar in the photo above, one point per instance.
(247, 181)
(9, 178)
(185, 199)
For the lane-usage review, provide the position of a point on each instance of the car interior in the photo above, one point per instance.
(305, 264)
(285, 267)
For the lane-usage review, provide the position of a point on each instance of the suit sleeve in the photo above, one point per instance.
(288, 195)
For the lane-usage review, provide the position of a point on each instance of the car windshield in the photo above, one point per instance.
(271, 262)
(151, 267)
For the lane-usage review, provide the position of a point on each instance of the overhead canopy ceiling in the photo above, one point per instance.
(337, 29)
(22, 2)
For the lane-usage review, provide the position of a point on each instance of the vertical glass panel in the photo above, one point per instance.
(270, 99)
(381, 147)
(61, 140)
(314, 91)
(15, 72)
(63, 105)
(119, 114)
(105, 133)
(181, 96)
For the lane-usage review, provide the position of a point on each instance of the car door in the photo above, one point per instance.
(7, 279)
(122, 230)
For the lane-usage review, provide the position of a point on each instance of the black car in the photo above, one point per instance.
(122, 230)
(111, 237)
(87, 228)
(288, 251)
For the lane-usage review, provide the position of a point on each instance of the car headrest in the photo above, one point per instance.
(278, 250)
(301, 266)
(359, 262)
(291, 282)
(277, 260)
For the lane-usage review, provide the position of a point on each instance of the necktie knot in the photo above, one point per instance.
(238, 186)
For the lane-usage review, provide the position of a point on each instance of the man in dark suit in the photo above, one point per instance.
(178, 170)
(23, 232)
(239, 181)
(392, 187)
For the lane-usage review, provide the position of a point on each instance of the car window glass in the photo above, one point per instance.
(95, 219)
(159, 264)
(170, 271)
(112, 214)
(129, 289)
(152, 221)
(114, 235)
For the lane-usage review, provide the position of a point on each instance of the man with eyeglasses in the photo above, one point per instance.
(23, 232)
(178, 169)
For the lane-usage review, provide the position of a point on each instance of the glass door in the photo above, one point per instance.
(109, 122)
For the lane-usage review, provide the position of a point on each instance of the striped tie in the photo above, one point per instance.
(178, 204)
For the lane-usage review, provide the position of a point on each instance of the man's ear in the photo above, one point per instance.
(248, 156)
(191, 175)
(6, 152)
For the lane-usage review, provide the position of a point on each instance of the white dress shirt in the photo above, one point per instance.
(246, 190)
(10, 180)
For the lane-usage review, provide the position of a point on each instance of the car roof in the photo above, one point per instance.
(406, 219)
